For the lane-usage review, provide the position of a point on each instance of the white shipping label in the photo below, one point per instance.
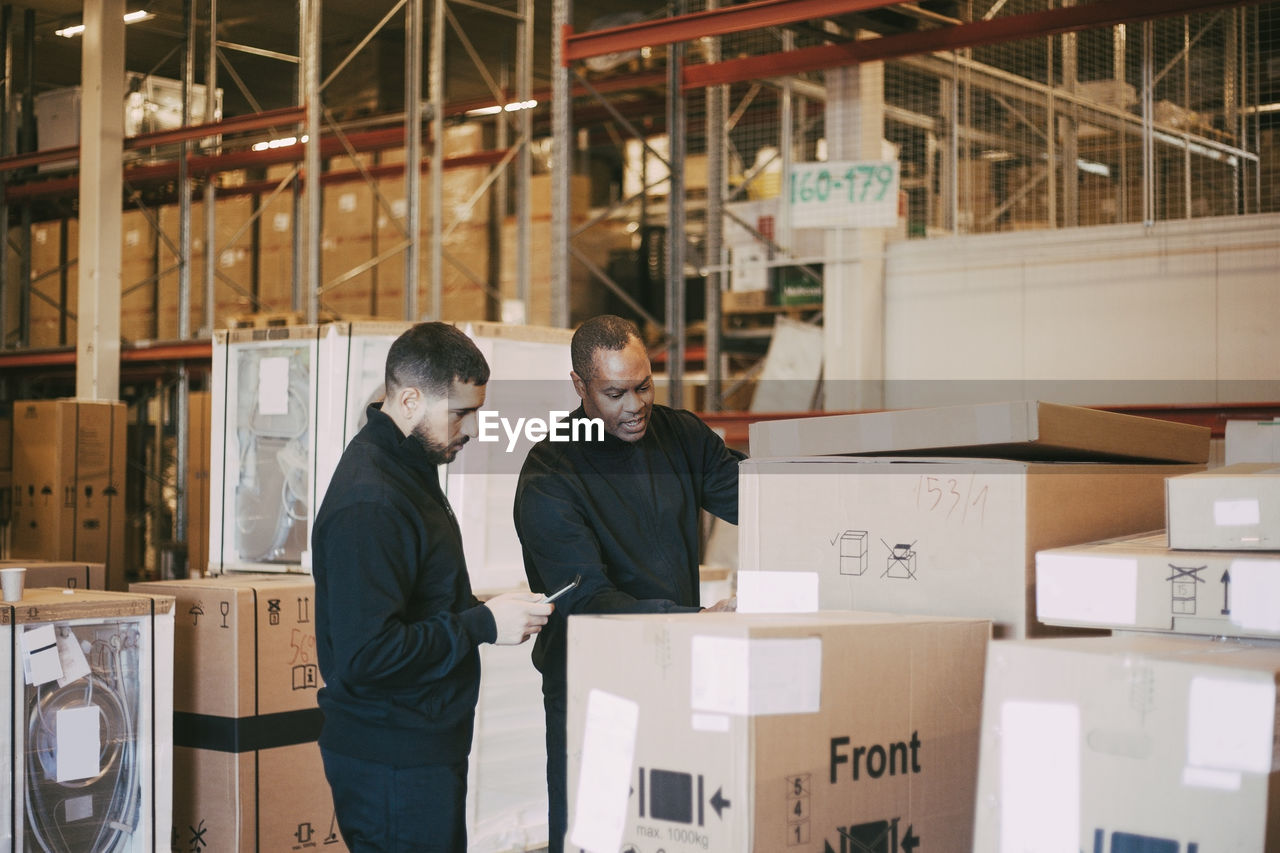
(604, 777)
(1230, 724)
(40, 663)
(78, 743)
(735, 675)
(777, 592)
(273, 386)
(1241, 513)
(280, 222)
(71, 657)
(1255, 594)
(347, 202)
(1076, 588)
(1039, 777)
(709, 722)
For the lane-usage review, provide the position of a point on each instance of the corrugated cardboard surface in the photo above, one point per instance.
(245, 686)
(1113, 743)
(69, 473)
(947, 537)
(1234, 508)
(1016, 430)
(905, 687)
(1139, 583)
(64, 575)
(199, 426)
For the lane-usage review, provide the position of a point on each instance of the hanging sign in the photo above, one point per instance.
(846, 194)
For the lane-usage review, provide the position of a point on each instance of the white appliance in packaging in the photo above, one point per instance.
(286, 402)
(260, 476)
(89, 716)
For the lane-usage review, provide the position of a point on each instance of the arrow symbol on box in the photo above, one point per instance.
(910, 842)
(718, 802)
(1226, 593)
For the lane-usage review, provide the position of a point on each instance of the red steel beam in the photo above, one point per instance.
(711, 22)
(1014, 27)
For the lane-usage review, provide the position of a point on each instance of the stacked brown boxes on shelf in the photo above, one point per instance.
(69, 483)
(1161, 736)
(246, 770)
(62, 574)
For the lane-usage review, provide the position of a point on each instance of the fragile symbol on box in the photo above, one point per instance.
(1183, 590)
(901, 563)
(853, 552)
(878, 836)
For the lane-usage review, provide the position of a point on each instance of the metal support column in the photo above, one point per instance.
(676, 240)
(713, 256)
(413, 28)
(1070, 147)
(310, 61)
(210, 209)
(561, 162)
(1148, 137)
(101, 176)
(6, 96)
(436, 84)
(27, 143)
(524, 160)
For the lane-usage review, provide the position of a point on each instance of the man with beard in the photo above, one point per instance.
(623, 512)
(397, 626)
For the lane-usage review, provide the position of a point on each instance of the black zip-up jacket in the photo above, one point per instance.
(625, 516)
(396, 623)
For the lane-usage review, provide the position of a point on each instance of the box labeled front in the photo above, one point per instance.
(1139, 583)
(1025, 429)
(1125, 744)
(802, 733)
(244, 707)
(68, 483)
(1233, 508)
(947, 537)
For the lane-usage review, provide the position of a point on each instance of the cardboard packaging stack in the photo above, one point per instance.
(812, 733)
(64, 575)
(69, 483)
(247, 773)
(87, 713)
(941, 511)
(1144, 740)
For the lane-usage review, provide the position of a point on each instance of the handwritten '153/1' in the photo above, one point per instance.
(943, 494)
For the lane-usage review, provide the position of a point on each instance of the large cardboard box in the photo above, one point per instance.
(1252, 441)
(1139, 583)
(1129, 744)
(1233, 508)
(947, 537)
(1027, 429)
(800, 733)
(199, 453)
(69, 483)
(247, 769)
(64, 575)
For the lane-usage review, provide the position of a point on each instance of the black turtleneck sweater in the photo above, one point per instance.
(396, 623)
(624, 515)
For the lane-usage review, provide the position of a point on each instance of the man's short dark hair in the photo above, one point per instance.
(432, 356)
(603, 332)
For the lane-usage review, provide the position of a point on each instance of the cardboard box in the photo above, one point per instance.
(1233, 508)
(65, 575)
(1139, 583)
(69, 483)
(247, 769)
(1026, 429)
(1126, 744)
(946, 537)
(1253, 441)
(112, 769)
(199, 452)
(804, 733)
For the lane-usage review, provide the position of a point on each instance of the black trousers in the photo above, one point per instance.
(386, 809)
(554, 704)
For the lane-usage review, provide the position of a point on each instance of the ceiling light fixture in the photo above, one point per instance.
(497, 108)
(283, 142)
(129, 18)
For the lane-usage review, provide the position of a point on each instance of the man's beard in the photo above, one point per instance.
(438, 453)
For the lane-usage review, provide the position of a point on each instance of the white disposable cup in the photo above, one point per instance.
(13, 580)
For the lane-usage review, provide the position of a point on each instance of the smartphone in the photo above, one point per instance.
(547, 599)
